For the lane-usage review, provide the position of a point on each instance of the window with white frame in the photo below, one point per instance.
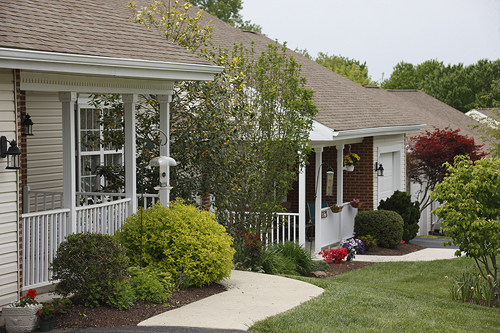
(91, 152)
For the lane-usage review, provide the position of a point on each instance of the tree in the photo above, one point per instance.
(407, 76)
(352, 69)
(490, 126)
(241, 137)
(428, 152)
(228, 11)
(470, 212)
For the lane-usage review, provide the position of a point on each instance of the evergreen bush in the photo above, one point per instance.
(89, 266)
(383, 225)
(400, 202)
(179, 240)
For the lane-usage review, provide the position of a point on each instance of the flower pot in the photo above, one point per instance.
(336, 209)
(21, 320)
(356, 205)
(44, 326)
(51, 324)
(349, 167)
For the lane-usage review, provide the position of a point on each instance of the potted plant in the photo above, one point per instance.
(355, 203)
(336, 208)
(350, 161)
(46, 314)
(22, 316)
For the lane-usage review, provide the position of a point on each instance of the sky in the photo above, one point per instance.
(383, 33)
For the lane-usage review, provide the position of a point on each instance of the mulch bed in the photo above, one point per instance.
(83, 317)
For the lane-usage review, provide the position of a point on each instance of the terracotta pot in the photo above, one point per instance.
(21, 320)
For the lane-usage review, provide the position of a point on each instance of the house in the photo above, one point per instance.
(351, 118)
(52, 54)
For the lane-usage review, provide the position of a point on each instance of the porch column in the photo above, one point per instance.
(68, 99)
(302, 207)
(129, 101)
(340, 183)
(164, 101)
(318, 198)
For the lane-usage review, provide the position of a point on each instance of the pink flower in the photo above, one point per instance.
(402, 241)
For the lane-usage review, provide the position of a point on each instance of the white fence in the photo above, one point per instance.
(335, 227)
(284, 227)
(44, 231)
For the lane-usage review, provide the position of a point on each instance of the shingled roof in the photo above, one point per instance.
(95, 28)
(343, 105)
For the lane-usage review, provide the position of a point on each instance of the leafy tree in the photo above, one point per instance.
(407, 76)
(352, 69)
(228, 11)
(428, 152)
(237, 137)
(489, 126)
(470, 212)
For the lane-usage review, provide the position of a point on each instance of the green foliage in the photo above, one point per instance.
(61, 305)
(88, 265)
(287, 258)
(368, 241)
(470, 211)
(319, 265)
(400, 202)
(179, 239)
(384, 225)
(147, 285)
(473, 285)
(407, 76)
(122, 297)
(352, 69)
(249, 247)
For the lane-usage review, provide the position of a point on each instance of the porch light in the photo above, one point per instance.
(13, 154)
(379, 169)
(27, 124)
(163, 162)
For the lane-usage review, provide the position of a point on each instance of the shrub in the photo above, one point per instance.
(87, 265)
(179, 239)
(148, 286)
(368, 241)
(287, 258)
(249, 250)
(400, 202)
(384, 225)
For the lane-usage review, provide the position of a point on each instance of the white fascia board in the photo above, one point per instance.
(320, 132)
(104, 66)
(379, 131)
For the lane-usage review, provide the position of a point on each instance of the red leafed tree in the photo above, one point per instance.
(429, 151)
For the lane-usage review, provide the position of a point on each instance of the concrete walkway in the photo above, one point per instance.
(250, 297)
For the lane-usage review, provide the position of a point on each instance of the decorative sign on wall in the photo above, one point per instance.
(324, 214)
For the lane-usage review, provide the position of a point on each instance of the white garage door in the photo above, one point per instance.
(386, 184)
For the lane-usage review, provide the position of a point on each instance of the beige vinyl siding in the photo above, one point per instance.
(8, 196)
(45, 156)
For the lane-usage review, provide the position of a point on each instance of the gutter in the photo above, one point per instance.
(104, 66)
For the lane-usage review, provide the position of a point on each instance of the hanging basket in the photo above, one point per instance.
(349, 167)
(356, 204)
(336, 209)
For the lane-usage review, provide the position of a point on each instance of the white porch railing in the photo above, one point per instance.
(105, 218)
(42, 234)
(284, 227)
(332, 231)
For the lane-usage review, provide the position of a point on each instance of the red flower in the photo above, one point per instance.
(31, 294)
(402, 242)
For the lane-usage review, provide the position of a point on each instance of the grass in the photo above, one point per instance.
(435, 237)
(387, 297)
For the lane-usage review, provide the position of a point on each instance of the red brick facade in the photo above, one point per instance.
(358, 184)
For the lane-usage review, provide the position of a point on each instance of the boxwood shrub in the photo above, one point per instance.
(383, 225)
(179, 240)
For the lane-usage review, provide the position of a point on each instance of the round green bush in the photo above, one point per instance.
(179, 240)
(89, 266)
(383, 225)
(400, 202)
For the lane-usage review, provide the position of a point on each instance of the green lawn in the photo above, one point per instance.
(387, 297)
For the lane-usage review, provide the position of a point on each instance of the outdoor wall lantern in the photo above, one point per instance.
(163, 162)
(13, 154)
(27, 125)
(379, 169)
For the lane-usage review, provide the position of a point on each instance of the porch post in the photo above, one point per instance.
(68, 99)
(164, 101)
(317, 203)
(340, 183)
(302, 207)
(129, 101)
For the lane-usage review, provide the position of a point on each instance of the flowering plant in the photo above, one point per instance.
(351, 159)
(25, 301)
(47, 312)
(353, 247)
(336, 205)
(355, 201)
(335, 255)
